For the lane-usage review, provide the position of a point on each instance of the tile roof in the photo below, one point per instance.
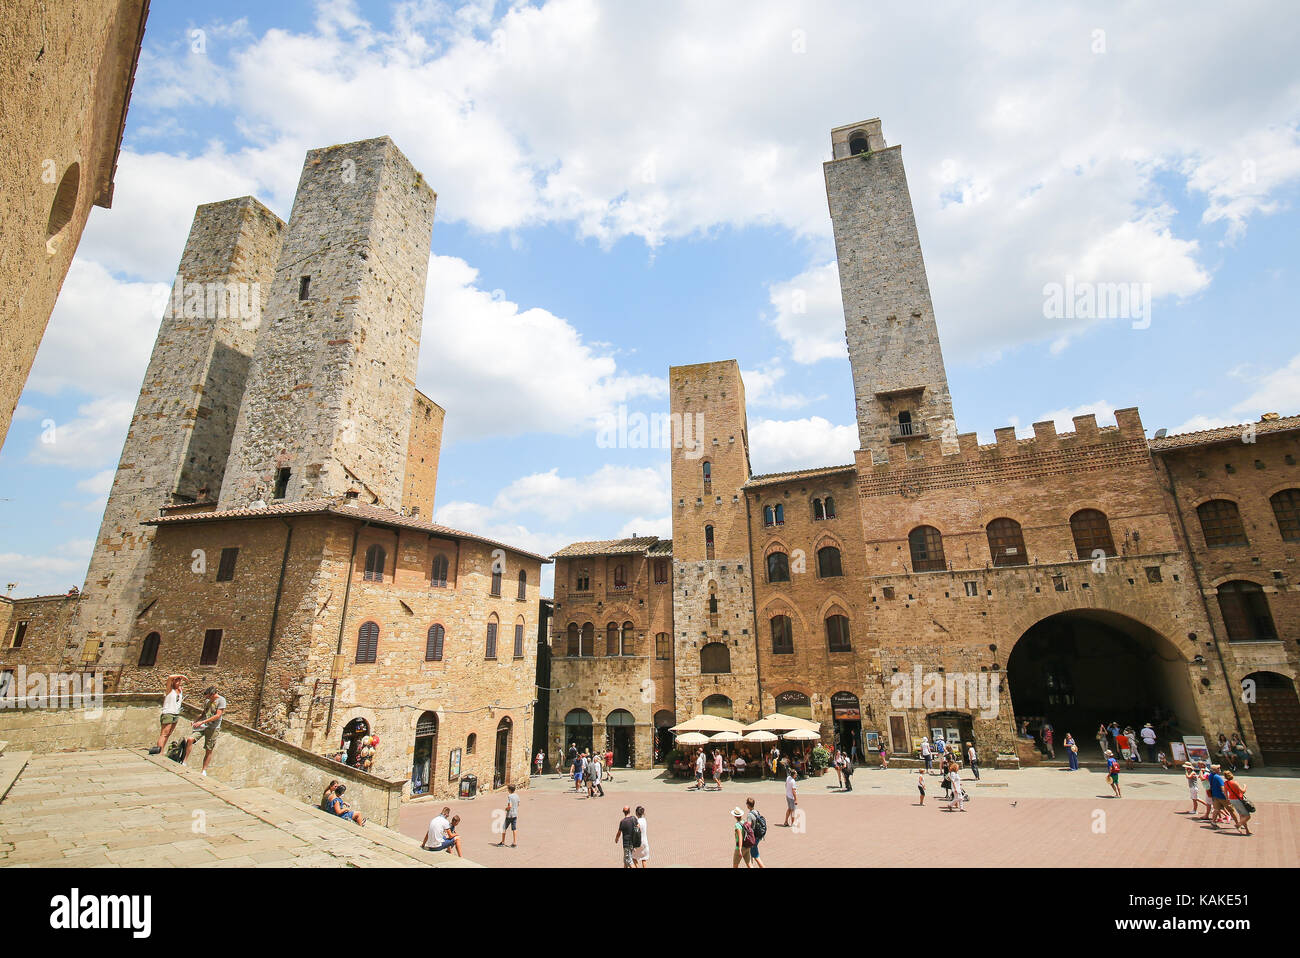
(1205, 437)
(775, 477)
(602, 547)
(348, 509)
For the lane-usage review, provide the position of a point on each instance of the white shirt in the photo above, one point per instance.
(172, 702)
(437, 832)
(645, 834)
(970, 753)
(789, 786)
(925, 748)
(1149, 736)
(700, 762)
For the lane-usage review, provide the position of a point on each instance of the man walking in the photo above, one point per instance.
(597, 775)
(629, 833)
(1148, 735)
(208, 726)
(512, 819)
(791, 796)
(847, 769)
(973, 760)
(700, 763)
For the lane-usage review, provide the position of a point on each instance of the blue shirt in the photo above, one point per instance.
(1216, 786)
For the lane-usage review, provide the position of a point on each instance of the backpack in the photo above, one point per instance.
(760, 827)
(176, 751)
(636, 836)
(748, 840)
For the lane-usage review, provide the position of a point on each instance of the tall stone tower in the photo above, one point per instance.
(713, 600)
(331, 392)
(179, 438)
(899, 381)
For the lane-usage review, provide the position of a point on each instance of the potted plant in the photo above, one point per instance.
(821, 760)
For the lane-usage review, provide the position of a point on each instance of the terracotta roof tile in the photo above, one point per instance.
(601, 547)
(775, 477)
(1205, 437)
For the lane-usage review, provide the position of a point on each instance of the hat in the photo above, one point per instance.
(1109, 753)
(1188, 765)
(736, 812)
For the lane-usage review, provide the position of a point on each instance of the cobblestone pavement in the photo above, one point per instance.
(118, 808)
(1034, 817)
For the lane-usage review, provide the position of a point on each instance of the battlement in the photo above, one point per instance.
(925, 465)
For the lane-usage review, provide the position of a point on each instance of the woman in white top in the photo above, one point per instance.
(171, 711)
(641, 854)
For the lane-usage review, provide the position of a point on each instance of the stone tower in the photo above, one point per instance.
(331, 391)
(180, 434)
(713, 600)
(899, 382)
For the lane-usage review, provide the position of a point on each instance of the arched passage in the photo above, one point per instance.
(664, 720)
(577, 729)
(619, 731)
(1078, 669)
(501, 756)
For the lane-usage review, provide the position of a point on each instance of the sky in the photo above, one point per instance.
(628, 186)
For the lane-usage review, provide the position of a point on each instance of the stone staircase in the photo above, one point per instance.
(11, 766)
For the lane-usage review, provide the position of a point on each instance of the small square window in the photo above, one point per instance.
(972, 588)
(304, 288)
(1153, 573)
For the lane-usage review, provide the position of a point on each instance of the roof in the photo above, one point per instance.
(1205, 437)
(775, 477)
(375, 515)
(603, 547)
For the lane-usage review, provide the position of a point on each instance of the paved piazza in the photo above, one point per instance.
(1051, 823)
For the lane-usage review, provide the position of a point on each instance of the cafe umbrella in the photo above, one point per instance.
(760, 737)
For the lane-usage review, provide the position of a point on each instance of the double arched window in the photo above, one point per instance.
(926, 546)
(620, 576)
(823, 508)
(1006, 543)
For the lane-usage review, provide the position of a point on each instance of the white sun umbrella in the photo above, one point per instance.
(776, 722)
(692, 738)
(802, 735)
(708, 724)
(759, 736)
(724, 737)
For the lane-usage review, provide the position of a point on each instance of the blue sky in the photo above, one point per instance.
(626, 186)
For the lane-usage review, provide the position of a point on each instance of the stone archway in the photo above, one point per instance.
(1080, 668)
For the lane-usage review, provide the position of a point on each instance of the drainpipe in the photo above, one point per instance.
(1200, 590)
(343, 617)
(753, 601)
(275, 618)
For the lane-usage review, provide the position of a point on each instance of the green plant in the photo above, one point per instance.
(821, 758)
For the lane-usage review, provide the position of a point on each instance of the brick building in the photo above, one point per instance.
(269, 528)
(940, 585)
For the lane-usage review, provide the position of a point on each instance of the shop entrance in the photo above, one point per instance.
(501, 758)
(847, 714)
(664, 720)
(619, 729)
(356, 747)
(426, 747)
(577, 731)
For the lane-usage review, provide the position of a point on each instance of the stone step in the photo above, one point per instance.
(11, 766)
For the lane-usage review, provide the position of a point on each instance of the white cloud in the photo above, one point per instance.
(91, 440)
(1276, 391)
(612, 489)
(501, 370)
(762, 388)
(661, 526)
(1064, 418)
(50, 574)
(810, 314)
(780, 445)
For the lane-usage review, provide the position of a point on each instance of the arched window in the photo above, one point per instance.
(828, 562)
(626, 640)
(583, 581)
(588, 646)
(1286, 509)
(1006, 543)
(1221, 523)
(718, 705)
(779, 512)
(926, 545)
(523, 584)
(367, 642)
(837, 634)
(778, 567)
(572, 648)
(149, 651)
(1091, 531)
(661, 571)
(471, 743)
(1245, 612)
(439, 577)
(708, 542)
(782, 635)
(490, 652)
(433, 643)
(819, 511)
(707, 468)
(496, 579)
(715, 658)
(858, 144)
(663, 647)
(620, 576)
(519, 638)
(713, 605)
(830, 507)
(376, 559)
(611, 638)
(769, 517)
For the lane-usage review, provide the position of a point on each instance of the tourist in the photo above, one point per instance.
(1114, 733)
(1112, 773)
(1236, 793)
(740, 850)
(171, 711)
(608, 769)
(884, 754)
(539, 761)
(437, 838)
(776, 759)
(327, 797)
(758, 826)
(1163, 759)
(1047, 733)
(208, 726)
(629, 833)
(1148, 736)
(718, 765)
(512, 818)
(342, 809)
(641, 854)
(920, 786)
(973, 760)
(1072, 751)
(958, 796)
(739, 765)
(1240, 752)
(837, 763)
(1194, 787)
(940, 747)
(791, 797)
(700, 764)
(1102, 737)
(576, 764)
(927, 756)
(848, 773)
(1226, 753)
(1218, 798)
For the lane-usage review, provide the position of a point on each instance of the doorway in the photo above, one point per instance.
(577, 732)
(664, 720)
(501, 758)
(619, 729)
(898, 742)
(426, 747)
(355, 744)
(847, 715)
(1275, 713)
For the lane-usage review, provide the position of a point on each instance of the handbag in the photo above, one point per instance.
(1246, 804)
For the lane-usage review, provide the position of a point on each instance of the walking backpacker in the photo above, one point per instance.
(760, 826)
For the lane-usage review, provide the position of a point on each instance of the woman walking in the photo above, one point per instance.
(1103, 736)
(641, 854)
(1194, 787)
(1237, 800)
(1072, 752)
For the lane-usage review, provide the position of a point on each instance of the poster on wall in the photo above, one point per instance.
(453, 765)
(1196, 748)
(1178, 751)
(873, 741)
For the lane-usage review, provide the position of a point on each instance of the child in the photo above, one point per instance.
(1162, 759)
(920, 786)
(1194, 786)
(884, 756)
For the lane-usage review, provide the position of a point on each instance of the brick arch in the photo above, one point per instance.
(1068, 509)
(835, 600)
(780, 605)
(1280, 487)
(1172, 631)
(776, 545)
(828, 539)
(1242, 577)
(424, 705)
(1235, 500)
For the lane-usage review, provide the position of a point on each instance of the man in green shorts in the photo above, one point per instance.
(208, 726)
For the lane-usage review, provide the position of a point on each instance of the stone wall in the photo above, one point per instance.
(421, 482)
(67, 70)
(49, 621)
